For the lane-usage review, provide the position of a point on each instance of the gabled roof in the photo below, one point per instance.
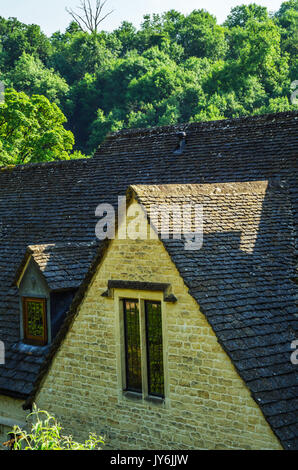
(63, 265)
(242, 281)
(53, 203)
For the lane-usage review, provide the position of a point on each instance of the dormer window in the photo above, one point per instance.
(47, 280)
(35, 321)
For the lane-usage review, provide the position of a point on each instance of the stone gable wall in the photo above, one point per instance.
(207, 404)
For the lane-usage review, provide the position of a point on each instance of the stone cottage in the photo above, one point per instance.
(154, 345)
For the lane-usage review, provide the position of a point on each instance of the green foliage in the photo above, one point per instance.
(255, 53)
(240, 15)
(200, 36)
(31, 130)
(45, 434)
(78, 53)
(32, 77)
(126, 35)
(174, 68)
(16, 38)
(287, 21)
(102, 126)
(275, 105)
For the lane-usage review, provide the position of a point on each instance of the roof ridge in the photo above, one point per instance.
(193, 189)
(206, 125)
(43, 248)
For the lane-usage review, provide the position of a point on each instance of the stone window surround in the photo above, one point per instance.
(143, 398)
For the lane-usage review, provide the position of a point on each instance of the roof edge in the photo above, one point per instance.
(10, 393)
(203, 125)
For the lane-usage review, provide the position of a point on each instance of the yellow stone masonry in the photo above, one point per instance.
(11, 413)
(207, 404)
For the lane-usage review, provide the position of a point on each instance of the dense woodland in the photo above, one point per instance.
(64, 93)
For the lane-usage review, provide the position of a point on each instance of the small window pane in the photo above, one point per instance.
(35, 318)
(35, 330)
(154, 348)
(132, 345)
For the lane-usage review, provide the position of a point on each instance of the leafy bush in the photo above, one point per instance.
(45, 434)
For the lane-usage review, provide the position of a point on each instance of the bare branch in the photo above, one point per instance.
(99, 6)
(91, 17)
(88, 17)
(78, 19)
(90, 10)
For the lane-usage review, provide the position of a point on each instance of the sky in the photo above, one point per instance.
(51, 14)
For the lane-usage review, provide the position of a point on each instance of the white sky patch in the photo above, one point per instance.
(51, 16)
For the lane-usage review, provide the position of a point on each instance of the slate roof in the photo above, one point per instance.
(55, 203)
(64, 265)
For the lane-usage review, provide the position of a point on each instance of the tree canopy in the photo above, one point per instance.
(174, 68)
(31, 130)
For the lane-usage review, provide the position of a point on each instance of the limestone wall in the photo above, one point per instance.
(207, 405)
